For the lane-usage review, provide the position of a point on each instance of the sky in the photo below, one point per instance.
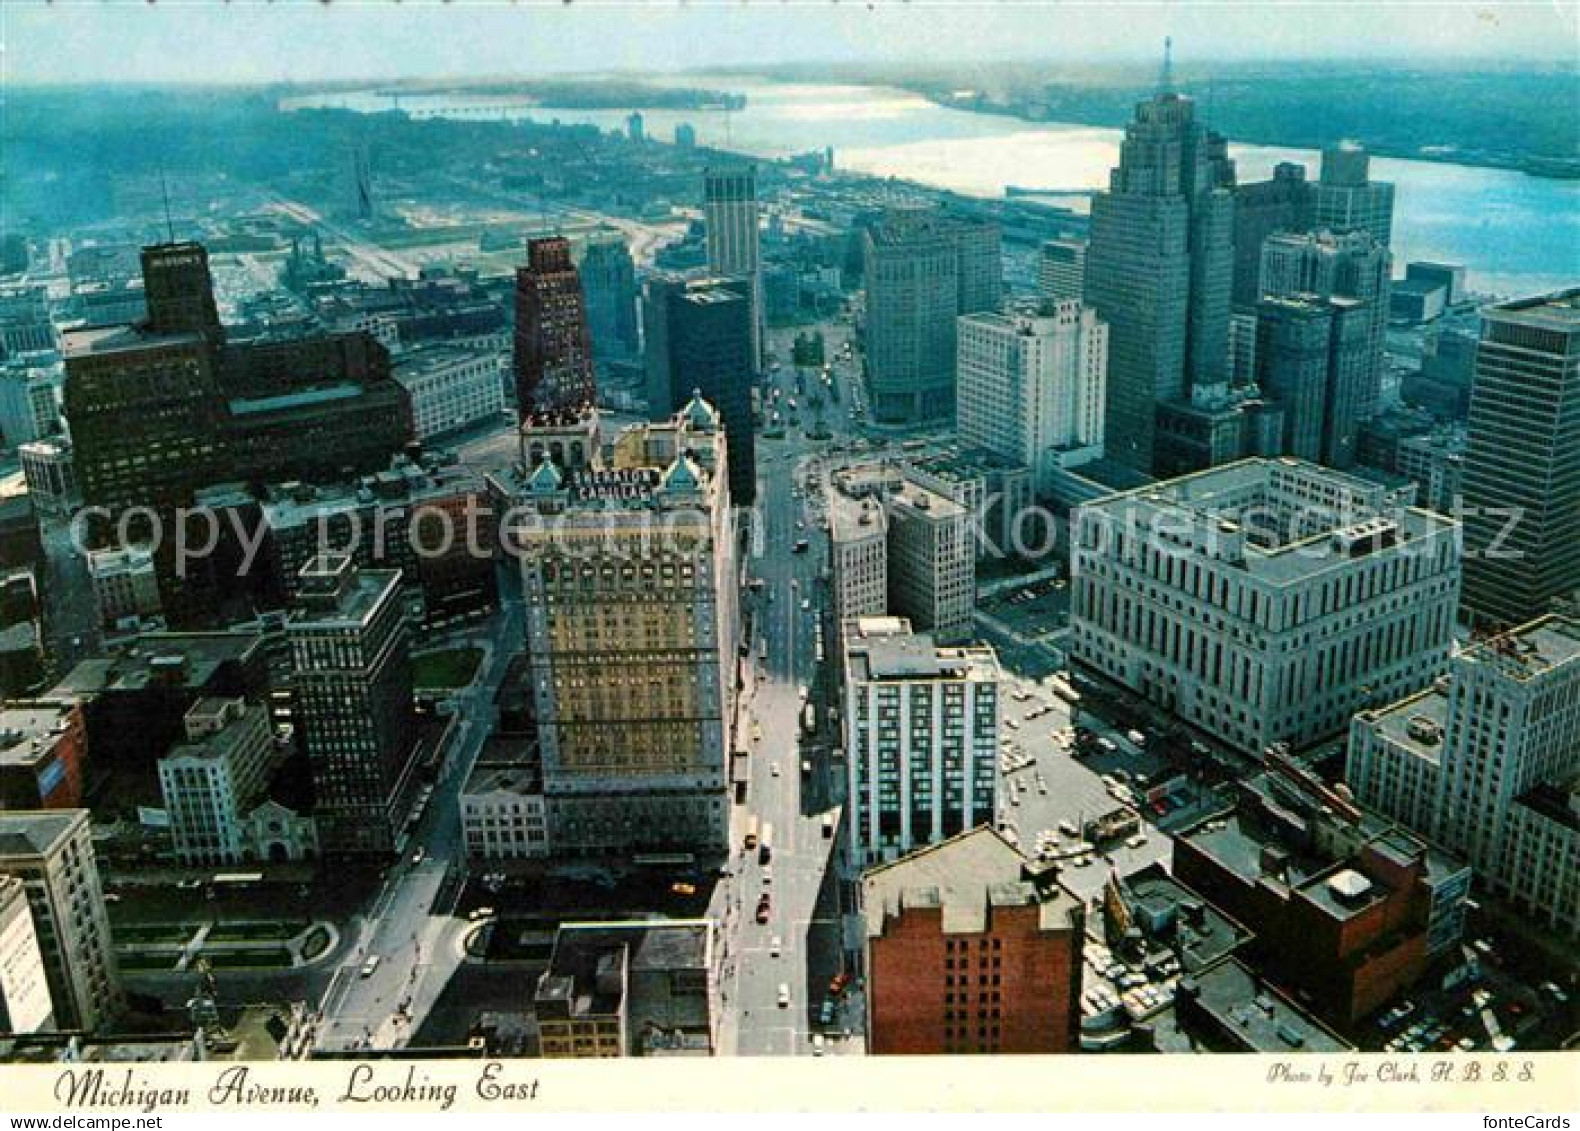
(308, 41)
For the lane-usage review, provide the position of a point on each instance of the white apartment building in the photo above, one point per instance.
(1031, 388)
(125, 586)
(212, 781)
(1487, 763)
(1061, 270)
(932, 561)
(921, 738)
(51, 852)
(1264, 601)
(25, 1006)
(451, 388)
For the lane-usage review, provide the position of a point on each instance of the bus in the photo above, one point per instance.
(808, 719)
(236, 879)
(765, 849)
(751, 834)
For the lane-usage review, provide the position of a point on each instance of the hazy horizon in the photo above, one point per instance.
(242, 43)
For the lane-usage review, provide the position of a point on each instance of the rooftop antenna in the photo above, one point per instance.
(1166, 75)
(164, 189)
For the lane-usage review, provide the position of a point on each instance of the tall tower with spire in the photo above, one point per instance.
(1159, 265)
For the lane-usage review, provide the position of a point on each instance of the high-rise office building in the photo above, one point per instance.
(1061, 270)
(350, 651)
(1350, 265)
(699, 338)
(160, 409)
(979, 259)
(932, 560)
(922, 728)
(630, 583)
(1031, 388)
(25, 1006)
(1265, 601)
(553, 351)
(1313, 359)
(1261, 209)
(1159, 269)
(912, 267)
(971, 949)
(1346, 199)
(858, 557)
(609, 287)
(51, 852)
(1522, 469)
(1487, 763)
(730, 217)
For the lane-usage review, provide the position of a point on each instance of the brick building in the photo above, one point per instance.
(971, 949)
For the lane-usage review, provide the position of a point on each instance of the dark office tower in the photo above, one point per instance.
(1347, 199)
(1522, 470)
(353, 684)
(553, 355)
(609, 286)
(1261, 209)
(1349, 265)
(912, 268)
(699, 338)
(1311, 360)
(178, 290)
(979, 252)
(730, 214)
(1159, 269)
(13, 253)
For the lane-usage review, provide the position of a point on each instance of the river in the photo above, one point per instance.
(1515, 233)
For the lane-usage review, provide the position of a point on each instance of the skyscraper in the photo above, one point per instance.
(179, 290)
(1351, 265)
(1031, 387)
(1487, 763)
(912, 274)
(630, 581)
(699, 338)
(553, 351)
(609, 288)
(351, 653)
(730, 214)
(1522, 470)
(1312, 358)
(1061, 270)
(1347, 199)
(1261, 209)
(51, 852)
(1159, 269)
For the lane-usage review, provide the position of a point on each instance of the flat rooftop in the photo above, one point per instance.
(36, 832)
(187, 659)
(27, 730)
(884, 648)
(1253, 1015)
(1171, 913)
(90, 341)
(964, 877)
(1530, 651)
(1559, 310)
(851, 519)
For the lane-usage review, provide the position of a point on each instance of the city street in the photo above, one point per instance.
(410, 928)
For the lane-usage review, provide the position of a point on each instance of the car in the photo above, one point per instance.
(784, 996)
(768, 874)
(1137, 841)
(683, 888)
(774, 947)
(189, 885)
(370, 966)
(762, 911)
(419, 856)
(112, 897)
(773, 768)
(480, 914)
(1069, 828)
(806, 605)
(838, 982)
(817, 1044)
